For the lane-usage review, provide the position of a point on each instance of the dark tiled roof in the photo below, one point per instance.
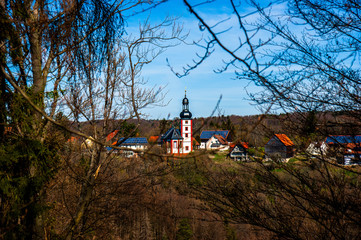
(171, 134)
(343, 139)
(207, 134)
(133, 141)
(284, 139)
(129, 141)
(185, 114)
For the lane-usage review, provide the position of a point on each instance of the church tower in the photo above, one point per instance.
(186, 126)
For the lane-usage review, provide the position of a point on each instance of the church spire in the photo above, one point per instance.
(185, 114)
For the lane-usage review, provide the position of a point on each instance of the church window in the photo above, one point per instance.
(186, 122)
(186, 128)
(175, 144)
(186, 135)
(187, 148)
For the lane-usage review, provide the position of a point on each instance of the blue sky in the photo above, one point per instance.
(204, 87)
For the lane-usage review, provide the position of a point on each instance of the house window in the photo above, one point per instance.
(187, 148)
(186, 135)
(186, 128)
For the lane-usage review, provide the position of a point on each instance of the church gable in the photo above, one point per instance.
(171, 134)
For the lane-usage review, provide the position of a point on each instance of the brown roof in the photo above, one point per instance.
(284, 139)
(221, 139)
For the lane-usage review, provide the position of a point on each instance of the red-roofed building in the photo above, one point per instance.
(284, 139)
(352, 154)
(279, 146)
(238, 151)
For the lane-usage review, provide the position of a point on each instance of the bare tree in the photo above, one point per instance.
(105, 93)
(305, 55)
(45, 47)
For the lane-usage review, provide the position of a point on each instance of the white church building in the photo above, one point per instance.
(180, 141)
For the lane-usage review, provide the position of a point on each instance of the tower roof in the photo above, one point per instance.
(185, 114)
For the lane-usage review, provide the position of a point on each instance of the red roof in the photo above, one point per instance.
(284, 139)
(112, 135)
(353, 145)
(243, 144)
(73, 139)
(353, 148)
(153, 139)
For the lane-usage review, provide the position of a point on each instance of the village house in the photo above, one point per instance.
(346, 148)
(221, 139)
(238, 151)
(316, 149)
(217, 142)
(352, 154)
(279, 146)
(132, 143)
